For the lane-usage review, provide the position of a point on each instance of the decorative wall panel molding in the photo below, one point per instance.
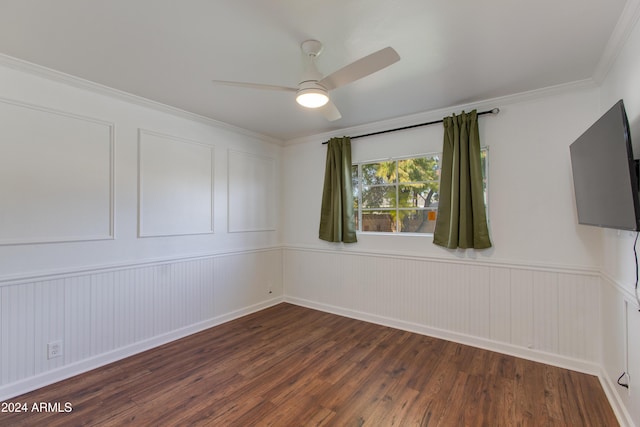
(97, 88)
(175, 179)
(252, 190)
(56, 175)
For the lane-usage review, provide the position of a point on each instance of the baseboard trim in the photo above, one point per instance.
(50, 377)
(483, 343)
(619, 408)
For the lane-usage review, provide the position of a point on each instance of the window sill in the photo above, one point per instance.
(382, 233)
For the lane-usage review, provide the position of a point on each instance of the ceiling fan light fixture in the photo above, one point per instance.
(313, 88)
(312, 97)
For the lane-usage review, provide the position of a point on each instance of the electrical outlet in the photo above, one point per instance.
(54, 349)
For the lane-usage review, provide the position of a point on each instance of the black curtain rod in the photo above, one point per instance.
(492, 111)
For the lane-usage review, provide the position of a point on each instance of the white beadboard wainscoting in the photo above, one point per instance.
(104, 314)
(620, 347)
(546, 314)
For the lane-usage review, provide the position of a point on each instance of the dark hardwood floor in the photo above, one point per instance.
(292, 366)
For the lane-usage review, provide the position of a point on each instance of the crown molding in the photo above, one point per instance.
(625, 25)
(438, 114)
(77, 82)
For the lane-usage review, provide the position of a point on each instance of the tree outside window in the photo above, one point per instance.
(398, 195)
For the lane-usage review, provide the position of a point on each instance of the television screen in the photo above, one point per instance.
(605, 178)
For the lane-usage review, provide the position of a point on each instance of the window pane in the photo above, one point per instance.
(354, 177)
(417, 221)
(401, 194)
(354, 188)
(419, 169)
(382, 221)
(418, 195)
(379, 173)
(483, 162)
(379, 197)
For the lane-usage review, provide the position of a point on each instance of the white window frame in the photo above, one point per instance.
(359, 164)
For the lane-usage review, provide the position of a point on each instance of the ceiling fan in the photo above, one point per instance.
(313, 89)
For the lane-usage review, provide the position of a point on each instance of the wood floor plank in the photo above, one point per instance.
(500, 407)
(293, 366)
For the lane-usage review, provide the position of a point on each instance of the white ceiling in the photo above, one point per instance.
(453, 51)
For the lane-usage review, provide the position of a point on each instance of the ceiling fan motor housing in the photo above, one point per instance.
(311, 94)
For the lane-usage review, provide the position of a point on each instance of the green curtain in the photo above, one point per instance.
(461, 221)
(337, 221)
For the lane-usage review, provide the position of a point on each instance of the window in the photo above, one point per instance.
(400, 195)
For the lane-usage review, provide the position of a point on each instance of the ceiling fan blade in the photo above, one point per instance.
(255, 86)
(361, 68)
(330, 111)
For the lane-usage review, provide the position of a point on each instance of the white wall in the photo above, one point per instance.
(534, 294)
(123, 224)
(531, 204)
(550, 289)
(538, 293)
(621, 319)
(127, 120)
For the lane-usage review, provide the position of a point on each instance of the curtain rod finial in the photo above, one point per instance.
(495, 111)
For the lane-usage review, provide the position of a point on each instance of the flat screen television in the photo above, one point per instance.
(605, 174)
